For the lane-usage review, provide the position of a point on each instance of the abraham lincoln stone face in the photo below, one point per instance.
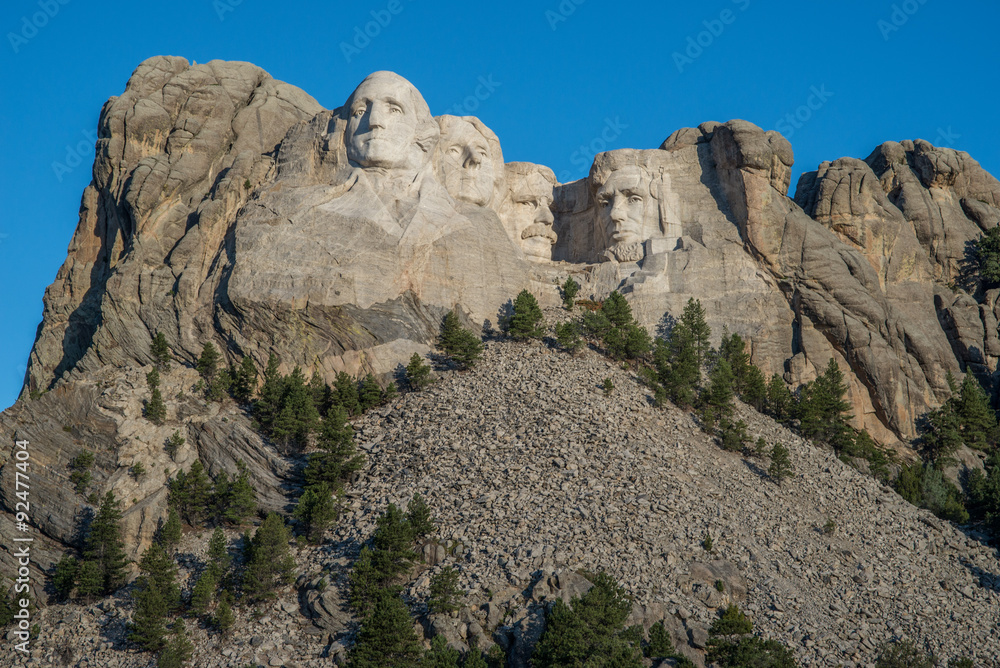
(621, 212)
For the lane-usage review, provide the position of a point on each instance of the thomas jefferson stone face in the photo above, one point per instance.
(467, 164)
(530, 216)
(621, 212)
(382, 124)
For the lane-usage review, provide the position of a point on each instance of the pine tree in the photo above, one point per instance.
(161, 574)
(418, 373)
(622, 336)
(64, 577)
(368, 582)
(754, 390)
(89, 580)
(386, 637)
(178, 650)
(779, 398)
(149, 619)
(589, 631)
(346, 391)
(677, 366)
(224, 617)
(170, 532)
(978, 421)
(718, 396)
(218, 555)
(987, 253)
(244, 381)
(266, 408)
(370, 394)
(238, 499)
(337, 457)
(104, 545)
(781, 463)
(269, 563)
(475, 659)
(822, 410)
(317, 510)
(322, 393)
(444, 591)
(568, 336)
(570, 288)
(440, 655)
(527, 321)
(418, 515)
(153, 379)
(191, 493)
(941, 434)
(173, 445)
(390, 392)
(203, 592)
(394, 537)
(7, 610)
(458, 343)
(208, 363)
(693, 319)
(156, 410)
(160, 352)
(297, 417)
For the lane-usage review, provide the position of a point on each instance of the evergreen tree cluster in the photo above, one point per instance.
(200, 499)
(155, 409)
(617, 330)
(289, 409)
(731, 644)
(965, 418)
(100, 570)
(526, 322)
(459, 344)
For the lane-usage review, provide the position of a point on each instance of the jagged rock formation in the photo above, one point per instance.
(533, 474)
(230, 207)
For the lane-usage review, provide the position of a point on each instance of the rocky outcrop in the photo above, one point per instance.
(229, 207)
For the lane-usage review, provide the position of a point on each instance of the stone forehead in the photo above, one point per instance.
(383, 82)
(529, 168)
(629, 175)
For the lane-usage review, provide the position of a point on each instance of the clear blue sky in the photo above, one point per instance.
(561, 75)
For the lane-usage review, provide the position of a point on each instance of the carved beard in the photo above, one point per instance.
(632, 252)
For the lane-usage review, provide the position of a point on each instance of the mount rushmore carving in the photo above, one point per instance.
(239, 210)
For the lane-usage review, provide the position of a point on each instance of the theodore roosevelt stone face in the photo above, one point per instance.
(527, 211)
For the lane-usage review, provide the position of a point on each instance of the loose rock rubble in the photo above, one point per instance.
(536, 477)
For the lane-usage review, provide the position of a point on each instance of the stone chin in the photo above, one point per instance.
(627, 252)
(537, 248)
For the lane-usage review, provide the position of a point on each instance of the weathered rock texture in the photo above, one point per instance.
(533, 475)
(230, 207)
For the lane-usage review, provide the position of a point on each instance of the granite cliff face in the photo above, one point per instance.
(229, 207)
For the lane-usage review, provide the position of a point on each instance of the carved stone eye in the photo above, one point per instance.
(635, 199)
